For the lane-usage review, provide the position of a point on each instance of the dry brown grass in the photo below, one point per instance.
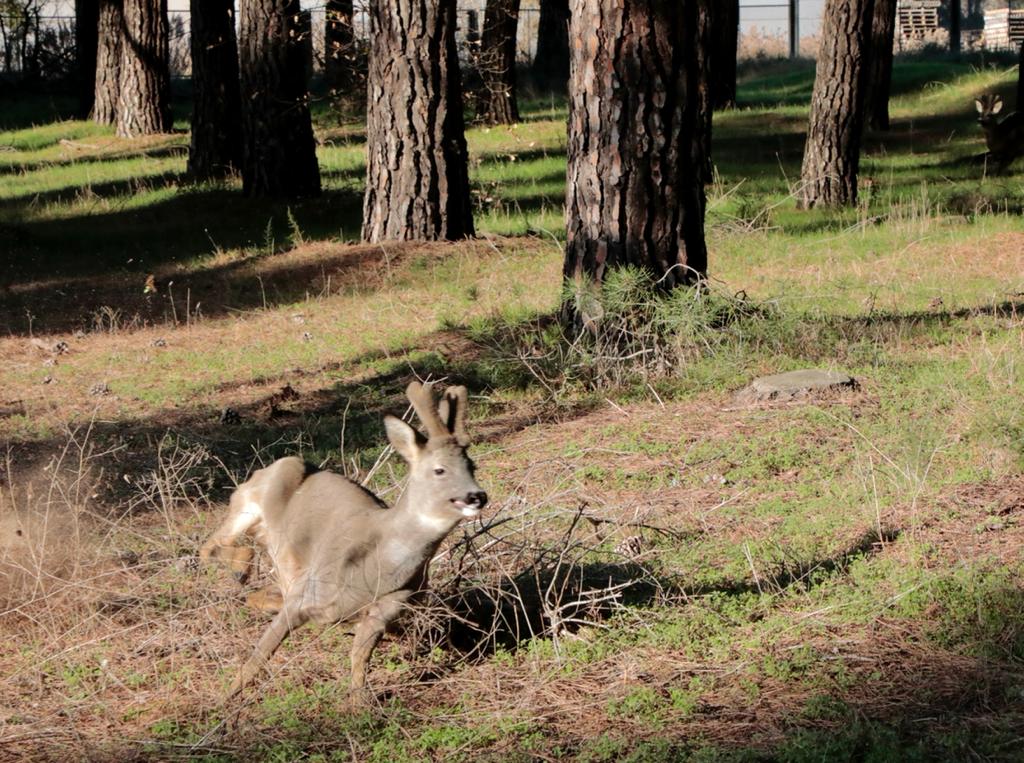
(122, 645)
(115, 627)
(758, 42)
(120, 631)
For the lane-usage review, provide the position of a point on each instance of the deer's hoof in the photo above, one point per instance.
(362, 699)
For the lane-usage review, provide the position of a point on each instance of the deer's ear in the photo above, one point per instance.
(979, 106)
(997, 106)
(403, 438)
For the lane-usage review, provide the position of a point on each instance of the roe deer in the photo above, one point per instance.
(339, 553)
(1004, 138)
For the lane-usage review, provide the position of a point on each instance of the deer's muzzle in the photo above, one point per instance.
(472, 503)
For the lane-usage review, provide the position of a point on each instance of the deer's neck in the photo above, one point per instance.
(408, 519)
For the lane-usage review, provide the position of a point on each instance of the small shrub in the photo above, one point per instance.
(630, 332)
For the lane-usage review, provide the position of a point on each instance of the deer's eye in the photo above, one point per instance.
(439, 470)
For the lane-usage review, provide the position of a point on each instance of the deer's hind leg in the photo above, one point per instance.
(269, 489)
(268, 599)
(243, 517)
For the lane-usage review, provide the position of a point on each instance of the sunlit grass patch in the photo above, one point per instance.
(665, 571)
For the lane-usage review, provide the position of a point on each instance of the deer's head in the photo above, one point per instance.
(988, 106)
(441, 487)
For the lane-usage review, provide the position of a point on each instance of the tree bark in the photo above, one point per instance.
(634, 192)
(87, 19)
(551, 61)
(725, 47)
(279, 150)
(144, 98)
(497, 102)
(417, 180)
(832, 151)
(216, 144)
(879, 77)
(108, 62)
(338, 38)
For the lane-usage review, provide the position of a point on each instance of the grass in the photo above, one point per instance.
(665, 573)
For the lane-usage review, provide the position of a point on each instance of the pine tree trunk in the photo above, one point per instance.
(216, 147)
(144, 98)
(832, 151)
(497, 102)
(634, 192)
(879, 78)
(279, 152)
(108, 62)
(725, 48)
(551, 61)
(87, 18)
(417, 181)
(338, 38)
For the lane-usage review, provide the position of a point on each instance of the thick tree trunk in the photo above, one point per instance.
(417, 181)
(497, 102)
(634, 192)
(279, 152)
(144, 98)
(832, 151)
(108, 62)
(551, 61)
(879, 78)
(725, 48)
(87, 19)
(216, 147)
(338, 38)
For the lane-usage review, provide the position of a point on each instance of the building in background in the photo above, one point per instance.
(984, 24)
(1004, 24)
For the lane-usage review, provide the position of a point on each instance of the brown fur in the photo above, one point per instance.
(339, 553)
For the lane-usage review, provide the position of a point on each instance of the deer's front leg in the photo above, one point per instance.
(368, 632)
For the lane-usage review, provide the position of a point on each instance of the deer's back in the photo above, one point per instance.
(326, 512)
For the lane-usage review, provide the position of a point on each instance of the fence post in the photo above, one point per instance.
(954, 26)
(794, 28)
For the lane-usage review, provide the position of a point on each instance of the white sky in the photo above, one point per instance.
(770, 15)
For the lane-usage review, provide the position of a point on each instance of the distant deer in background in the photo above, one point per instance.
(1004, 138)
(339, 553)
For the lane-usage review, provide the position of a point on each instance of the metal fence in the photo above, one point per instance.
(33, 43)
(42, 44)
